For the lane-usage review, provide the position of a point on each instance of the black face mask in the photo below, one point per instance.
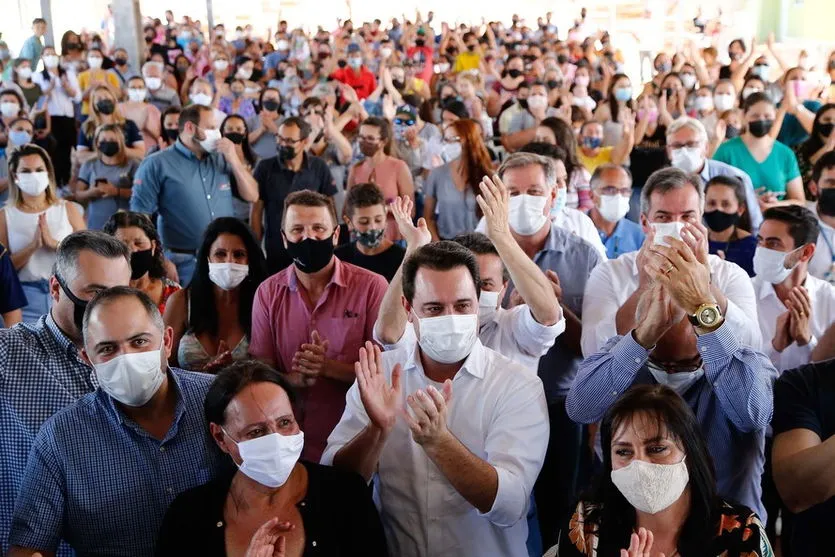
(108, 148)
(553, 84)
(311, 255)
(562, 59)
(825, 130)
(140, 263)
(420, 42)
(80, 305)
(106, 106)
(826, 202)
(760, 128)
(342, 63)
(236, 138)
(286, 153)
(399, 85)
(719, 220)
(731, 132)
(270, 105)
(523, 103)
(172, 134)
(514, 73)
(121, 61)
(471, 47)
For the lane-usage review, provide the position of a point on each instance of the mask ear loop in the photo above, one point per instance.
(73, 298)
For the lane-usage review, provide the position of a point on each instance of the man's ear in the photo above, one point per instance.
(336, 236)
(54, 289)
(807, 252)
(813, 188)
(347, 221)
(407, 306)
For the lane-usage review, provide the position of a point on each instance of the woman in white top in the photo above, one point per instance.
(32, 224)
(60, 87)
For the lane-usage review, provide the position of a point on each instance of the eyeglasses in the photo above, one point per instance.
(688, 145)
(288, 141)
(455, 139)
(368, 139)
(612, 190)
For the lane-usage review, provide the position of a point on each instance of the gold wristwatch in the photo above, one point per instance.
(707, 316)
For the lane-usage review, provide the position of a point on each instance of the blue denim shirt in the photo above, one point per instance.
(188, 193)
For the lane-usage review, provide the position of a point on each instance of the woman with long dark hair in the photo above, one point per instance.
(147, 261)
(212, 318)
(729, 222)
(235, 129)
(610, 111)
(820, 141)
(558, 132)
(657, 490)
(450, 206)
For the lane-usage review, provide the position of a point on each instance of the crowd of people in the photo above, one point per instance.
(415, 289)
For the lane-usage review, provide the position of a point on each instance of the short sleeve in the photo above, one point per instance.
(792, 169)
(132, 134)
(11, 293)
(795, 402)
(83, 140)
(85, 173)
(261, 343)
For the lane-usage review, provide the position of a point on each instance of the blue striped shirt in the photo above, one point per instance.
(101, 482)
(732, 402)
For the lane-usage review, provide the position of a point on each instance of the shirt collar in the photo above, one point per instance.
(705, 173)
(61, 339)
(555, 241)
(474, 364)
(185, 151)
(338, 278)
(305, 163)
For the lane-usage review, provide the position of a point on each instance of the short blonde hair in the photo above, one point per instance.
(15, 155)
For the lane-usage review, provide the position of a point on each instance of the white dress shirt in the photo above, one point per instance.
(58, 102)
(572, 220)
(769, 308)
(498, 412)
(513, 333)
(612, 282)
(822, 264)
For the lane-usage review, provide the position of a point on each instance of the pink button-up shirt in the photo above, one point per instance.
(283, 319)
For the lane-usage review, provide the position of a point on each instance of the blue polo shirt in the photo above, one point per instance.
(626, 237)
(187, 192)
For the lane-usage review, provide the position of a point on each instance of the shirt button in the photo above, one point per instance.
(704, 349)
(637, 360)
(208, 197)
(219, 524)
(614, 393)
(162, 449)
(313, 543)
(302, 504)
(170, 490)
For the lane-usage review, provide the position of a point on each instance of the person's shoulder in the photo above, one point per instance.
(574, 243)
(509, 373)
(193, 379)
(724, 270)
(345, 252)
(737, 521)
(817, 376)
(75, 419)
(332, 480)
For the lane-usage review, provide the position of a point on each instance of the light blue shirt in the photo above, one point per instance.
(718, 168)
(31, 50)
(626, 237)
(101, 482)
(189, 193)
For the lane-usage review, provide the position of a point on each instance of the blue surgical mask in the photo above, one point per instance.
(592, 142)
(560, 202)
(19, 137)
(623, 94)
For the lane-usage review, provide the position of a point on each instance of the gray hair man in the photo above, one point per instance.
(41, 367)
(672, 203)
(102, 473)
(611, 192)
(687, 149)
(159, 94)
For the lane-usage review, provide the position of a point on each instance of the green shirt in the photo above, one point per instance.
(777, 170)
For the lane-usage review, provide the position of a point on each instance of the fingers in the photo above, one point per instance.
(447, 391)
(315, 338)
(437, 398)
(395, 380)
(420, 408)
(281, 547)
(552, 276)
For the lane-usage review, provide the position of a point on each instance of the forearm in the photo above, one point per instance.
(517, 140)
(362, 453)
(625, 317)
(529, 280)
(21, 257)
(247, 186)
(805, 116)
(572, 336)
(476, 480)
(392, 317)
(255, 217)
(621, 151)
(806, 478)
(343, 146)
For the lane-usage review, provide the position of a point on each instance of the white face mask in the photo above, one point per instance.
(282, 45)
(385, 53)
(663, 229)
(243, 74)
(537, 101)
(572, 199)
(201, 98)
(270, 459)
(748, 91)
(582, 80)
(527, 213)
(137, 95)
(770, 265)
(679, 381)
(24, 73)
(688, 159)
(450, 152)
(132, 379)
(209, 143)
(9, 109)
(488, 303)
(153, 83)
(613, 207)
(704, 103)
(50, 61)
(688, 80)
(723, 101)
(227, 276)
(449, 338)
(651, 488)
(220, 65)
(33, 183)
(94, 62)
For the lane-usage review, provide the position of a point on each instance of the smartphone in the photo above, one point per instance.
(100, 181)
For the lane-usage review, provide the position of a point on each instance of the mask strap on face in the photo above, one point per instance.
(73, 298)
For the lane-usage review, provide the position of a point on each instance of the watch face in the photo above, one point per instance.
(708, 316)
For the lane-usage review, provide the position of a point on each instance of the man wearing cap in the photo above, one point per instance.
(355, 74)
(419, 49)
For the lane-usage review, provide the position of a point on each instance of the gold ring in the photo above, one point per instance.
(669, 269)
(802, 314)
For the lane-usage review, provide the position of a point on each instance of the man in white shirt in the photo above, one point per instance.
(794, 308)
(523, 333)
(674, 200)
(822, 185)
(452, 433)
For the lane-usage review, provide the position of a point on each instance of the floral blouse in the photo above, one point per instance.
(739, 533)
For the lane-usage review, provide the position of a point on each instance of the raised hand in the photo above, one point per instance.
(310, 359)
(640, 545)
(429, 407)
(221, 360)
(227, 149)
(268, 540)
(494, 202)
(679, 270)
(801, 312)
(382, 401)
(655, 315)
(47, 239)
(415, 236)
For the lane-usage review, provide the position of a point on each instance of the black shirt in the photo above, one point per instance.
(804, 398)
(385, 263)
(338, 516)
(276, 182)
